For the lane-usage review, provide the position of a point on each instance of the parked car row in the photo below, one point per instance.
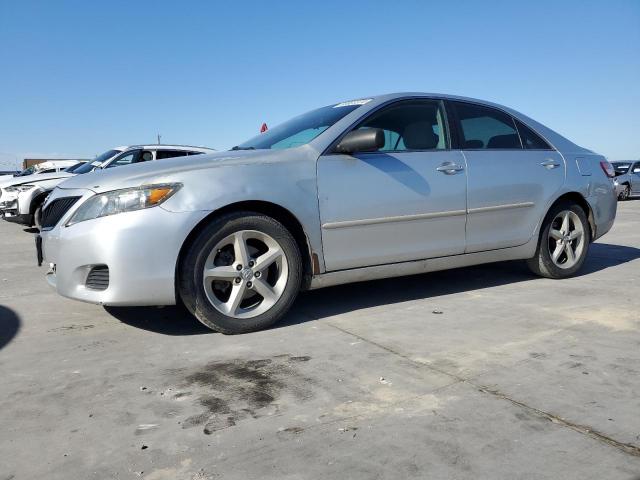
(627, 179)
(371, 188)
(22, 197)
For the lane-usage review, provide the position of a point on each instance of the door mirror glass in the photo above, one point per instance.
(364, 140)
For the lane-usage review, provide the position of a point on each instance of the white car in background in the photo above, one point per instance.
(8, 185)
(31, 195)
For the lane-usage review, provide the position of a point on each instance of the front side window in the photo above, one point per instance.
(410, 125)
(486, 128)
(300, 130)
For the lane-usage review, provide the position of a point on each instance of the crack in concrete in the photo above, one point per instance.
(582, 429)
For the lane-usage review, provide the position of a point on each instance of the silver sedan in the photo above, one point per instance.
(371, 188)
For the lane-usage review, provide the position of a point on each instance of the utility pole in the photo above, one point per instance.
(159, 137)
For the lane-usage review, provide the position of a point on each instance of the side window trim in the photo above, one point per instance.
(460, 135)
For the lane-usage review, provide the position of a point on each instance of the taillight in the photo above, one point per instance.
(607, 168)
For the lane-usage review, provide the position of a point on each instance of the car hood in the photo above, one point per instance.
(36, 177)
(166, 170)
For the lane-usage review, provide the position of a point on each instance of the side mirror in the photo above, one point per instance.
(364, 140)
(636, 170)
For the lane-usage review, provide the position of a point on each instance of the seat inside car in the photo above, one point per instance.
(504, 141)
(420, 136)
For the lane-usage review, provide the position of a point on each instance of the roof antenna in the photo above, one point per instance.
(159, 137)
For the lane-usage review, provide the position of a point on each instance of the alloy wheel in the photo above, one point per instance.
(566, 239)
(245, 274)
(625, 193)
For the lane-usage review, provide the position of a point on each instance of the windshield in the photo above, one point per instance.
(27, 171)
(73, 167)
(300, 130)
(89, 166)
(621, 168)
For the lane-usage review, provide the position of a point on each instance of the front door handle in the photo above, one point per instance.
(450, 168)
(549, 164)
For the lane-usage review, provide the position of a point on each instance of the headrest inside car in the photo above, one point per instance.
(420, 136)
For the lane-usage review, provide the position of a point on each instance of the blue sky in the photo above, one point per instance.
(77, 78)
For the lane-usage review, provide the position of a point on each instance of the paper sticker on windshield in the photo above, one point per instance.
(353, 102)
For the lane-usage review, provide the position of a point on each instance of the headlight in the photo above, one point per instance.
(127, 200)
(19, 188)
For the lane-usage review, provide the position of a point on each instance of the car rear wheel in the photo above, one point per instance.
(564, 242)
(625, 193)
(242, 273)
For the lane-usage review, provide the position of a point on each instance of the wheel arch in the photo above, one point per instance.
(275, 211)
(38, 200)
(577, 198)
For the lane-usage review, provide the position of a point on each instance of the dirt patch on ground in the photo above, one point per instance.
(230, 391)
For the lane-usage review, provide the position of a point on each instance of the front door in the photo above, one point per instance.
(405, 202)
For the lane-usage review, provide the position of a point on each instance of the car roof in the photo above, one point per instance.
(558, 141)
(155, 146)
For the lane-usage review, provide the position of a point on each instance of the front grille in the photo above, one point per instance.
(56, 210)
(98, 278)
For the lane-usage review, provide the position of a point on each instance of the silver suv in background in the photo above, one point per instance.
(31, 194)
(377, 187)
(627, 179)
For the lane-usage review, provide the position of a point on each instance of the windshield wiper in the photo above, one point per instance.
(237, 147)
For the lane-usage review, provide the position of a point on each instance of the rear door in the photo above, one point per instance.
(406, 201)
(512, 174)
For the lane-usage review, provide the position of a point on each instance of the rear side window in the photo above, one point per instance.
(530, 139)
(486, 128)
(160, 154)
(410, 125)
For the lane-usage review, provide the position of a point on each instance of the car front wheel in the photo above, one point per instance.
(625, 193)
(564, 242)
(241, 273)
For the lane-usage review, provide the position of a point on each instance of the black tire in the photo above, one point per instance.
(37, 217)
(542, 264)
(625, 193)
(190, 284)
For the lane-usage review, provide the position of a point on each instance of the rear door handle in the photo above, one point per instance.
(549, 164)
(450, 168)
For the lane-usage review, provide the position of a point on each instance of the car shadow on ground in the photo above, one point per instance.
(9, 325)
(172, 320)
(341, 299)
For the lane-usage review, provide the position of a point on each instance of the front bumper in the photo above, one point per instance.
(14, 217)
(8, 204)
(139, 248)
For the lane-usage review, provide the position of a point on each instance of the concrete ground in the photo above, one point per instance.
(484, 372)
